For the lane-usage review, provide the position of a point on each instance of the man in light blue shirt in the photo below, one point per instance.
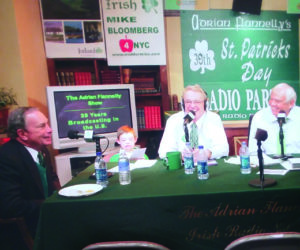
(282, 99)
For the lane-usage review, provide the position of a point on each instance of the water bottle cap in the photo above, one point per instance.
(98, 153)
(200, 147)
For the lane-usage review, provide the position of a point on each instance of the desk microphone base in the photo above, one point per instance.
(282, 157)
(267, 183)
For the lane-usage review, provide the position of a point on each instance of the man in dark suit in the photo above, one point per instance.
(27, 177)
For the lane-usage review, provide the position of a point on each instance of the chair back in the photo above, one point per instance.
(22, 227)
(143, 245)
(267, 241)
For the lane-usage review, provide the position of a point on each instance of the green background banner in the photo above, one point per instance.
(237, 59)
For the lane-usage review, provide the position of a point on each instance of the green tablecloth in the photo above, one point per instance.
(171, 208)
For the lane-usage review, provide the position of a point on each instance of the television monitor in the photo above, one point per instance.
(100, 108)
(247, 6)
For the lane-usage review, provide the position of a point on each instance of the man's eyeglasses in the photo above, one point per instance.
(196, 102)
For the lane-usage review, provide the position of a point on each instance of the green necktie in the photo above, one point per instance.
(194, 135)
(42, 170)
(41, 159)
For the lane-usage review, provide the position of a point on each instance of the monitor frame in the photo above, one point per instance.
(81, 144)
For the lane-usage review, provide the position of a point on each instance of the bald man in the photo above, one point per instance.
(282, 99)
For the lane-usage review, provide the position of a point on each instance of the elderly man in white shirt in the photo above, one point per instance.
(282, 100)
(209, 126)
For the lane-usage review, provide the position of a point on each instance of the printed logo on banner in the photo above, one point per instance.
(201, 57)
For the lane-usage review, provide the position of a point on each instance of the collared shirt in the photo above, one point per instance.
(34, 154)
(211, 135)
(41, 169)
(264, 119)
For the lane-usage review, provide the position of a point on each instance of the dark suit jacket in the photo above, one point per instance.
(21, 190)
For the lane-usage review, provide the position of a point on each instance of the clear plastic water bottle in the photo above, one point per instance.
(245, 159)
(202, 168)
(124, 168)
(100, 170)
(188, 159)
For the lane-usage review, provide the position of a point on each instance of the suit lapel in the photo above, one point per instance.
(32, 167)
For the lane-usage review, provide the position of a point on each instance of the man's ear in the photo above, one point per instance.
(22, 134)
(292, 103)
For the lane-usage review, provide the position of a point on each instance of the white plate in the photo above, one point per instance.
(80, 190)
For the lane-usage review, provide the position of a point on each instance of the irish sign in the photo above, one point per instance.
(134, 32)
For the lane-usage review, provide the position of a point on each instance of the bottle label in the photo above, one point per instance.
(245, 162)
(123, 166)
(101, 174)
(188, 163)
(202, 167)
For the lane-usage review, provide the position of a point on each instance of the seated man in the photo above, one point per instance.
(205, 129)
(26, 177)
(282, 99)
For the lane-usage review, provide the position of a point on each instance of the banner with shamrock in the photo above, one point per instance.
(238, 58)
(134, 32)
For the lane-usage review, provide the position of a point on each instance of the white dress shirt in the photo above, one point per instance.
(264, 119)
(34, 154)
(211, 135)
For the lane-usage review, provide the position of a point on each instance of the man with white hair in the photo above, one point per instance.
(282, 100)
(208, 127)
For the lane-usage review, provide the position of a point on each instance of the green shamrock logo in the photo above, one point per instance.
(147, 5)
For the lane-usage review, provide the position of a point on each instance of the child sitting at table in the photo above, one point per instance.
(127, 138)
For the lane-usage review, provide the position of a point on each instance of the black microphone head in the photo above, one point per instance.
(281, 116)
(193, 113)
(189, 117)
(73, 134)
(261, 135)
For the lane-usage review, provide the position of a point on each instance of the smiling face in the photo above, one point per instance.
(194, 101)
(278, 101)
(37, 132)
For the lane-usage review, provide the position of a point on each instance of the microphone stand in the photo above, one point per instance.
(186, 132)
(281, 137)
(98, 147)
(261, 182)
(261, 164)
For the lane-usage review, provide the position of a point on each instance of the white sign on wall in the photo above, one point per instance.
(72, 29)
(134, 32)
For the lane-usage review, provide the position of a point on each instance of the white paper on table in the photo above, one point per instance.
(253, 160)
(289, 164)
(137, 164)
(275, 171)
(233, 160)
(142, 164)
(138, 153)
(267, 160)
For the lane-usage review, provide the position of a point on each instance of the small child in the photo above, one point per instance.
(127, 138)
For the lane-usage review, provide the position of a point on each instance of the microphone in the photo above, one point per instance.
(261, 135)
(88, 135)
(189, 117)
(281, 118)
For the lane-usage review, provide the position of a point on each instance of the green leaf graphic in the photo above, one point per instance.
(148, 5)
